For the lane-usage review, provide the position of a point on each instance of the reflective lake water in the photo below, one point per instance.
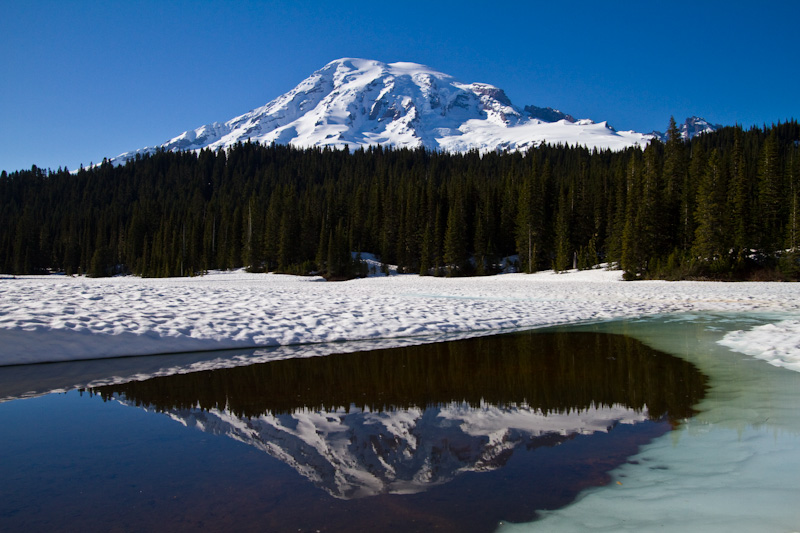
(456, 436)
(733, 467)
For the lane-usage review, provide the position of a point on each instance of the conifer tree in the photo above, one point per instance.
(697, 170)
(650, 215)
(793, 182)
(530, 221)
(770, 194)
(426, 251)
(481, 244)
(790, 258)
(708, 243)
(526, 244)
(455, 240)
(675, 177)
(563, 257)
(234, 241)
(739, 196)
(633, 259)
(339, 261)
(439, 229)
(251, 244)
(272, 230)
(616, 215)
(288, 245)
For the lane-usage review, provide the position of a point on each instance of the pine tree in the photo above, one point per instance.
(530, 219)
(455, 240)
(251, 244)
(426, 251)
(563, 257)
(651, 221)
(633, 259)
(234, 241)
(289, 235)
(790, 259)
(439, 230)
(675, 177)
(770, 194)
(708, 242)
(793, 182)
(697, 169)
(616, 213)
(739, 196)
(481, 244)
(526, 244)
(272, 231)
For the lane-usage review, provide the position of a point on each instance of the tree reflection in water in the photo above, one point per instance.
(425, 431)
(552, 372)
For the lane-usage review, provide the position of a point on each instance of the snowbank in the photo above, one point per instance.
(778, 344)
(60, 318)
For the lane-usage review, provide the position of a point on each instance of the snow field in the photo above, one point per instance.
(778, 344)
(60, 318)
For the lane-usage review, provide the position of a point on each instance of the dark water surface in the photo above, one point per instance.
(441, 437)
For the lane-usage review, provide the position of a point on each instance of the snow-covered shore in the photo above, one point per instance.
(60, 318)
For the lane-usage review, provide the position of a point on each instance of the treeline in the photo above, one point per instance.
(724, 205)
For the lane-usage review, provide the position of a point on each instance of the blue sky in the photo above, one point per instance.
(87, 80)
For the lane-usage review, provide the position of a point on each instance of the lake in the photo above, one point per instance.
(466, 435)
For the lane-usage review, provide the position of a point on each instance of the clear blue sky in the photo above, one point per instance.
(87, 80)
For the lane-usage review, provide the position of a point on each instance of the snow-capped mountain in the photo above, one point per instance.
(692, 127)
(354, 453)
(696, 126)
(360, 102)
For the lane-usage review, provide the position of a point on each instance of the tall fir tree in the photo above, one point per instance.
(563, 249)
(456, 256)
(793, 183)
(770, 194)
(526, 229)
(675, 171)
(708, 242)
(633, 255)
(740, 196)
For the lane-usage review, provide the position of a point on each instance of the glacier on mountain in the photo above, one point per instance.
(359, 103)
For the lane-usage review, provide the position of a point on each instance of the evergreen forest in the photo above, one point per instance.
(721, 206)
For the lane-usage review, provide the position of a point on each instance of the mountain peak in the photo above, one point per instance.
(696, 126)
(691, 127)
(357, 102)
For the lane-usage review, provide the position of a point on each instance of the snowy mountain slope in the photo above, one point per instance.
(360, 102)
(355, 453)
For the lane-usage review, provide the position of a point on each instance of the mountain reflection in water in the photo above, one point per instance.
(404, 420)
